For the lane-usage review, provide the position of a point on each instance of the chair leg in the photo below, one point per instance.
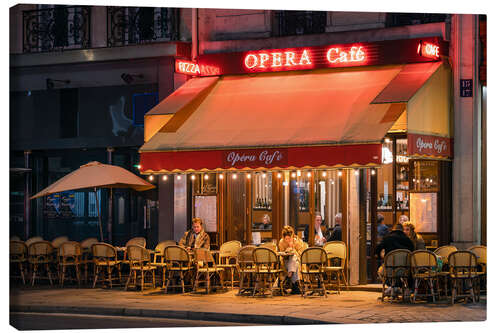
(48, 273)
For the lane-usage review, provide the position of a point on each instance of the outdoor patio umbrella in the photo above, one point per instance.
(96, 175)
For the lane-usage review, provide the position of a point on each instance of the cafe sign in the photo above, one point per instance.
(254, 158)
(315, 57)
(429, 145)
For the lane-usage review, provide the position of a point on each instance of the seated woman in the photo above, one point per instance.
(292, 244)
(266, 223)
(196, 238)
(417, 240)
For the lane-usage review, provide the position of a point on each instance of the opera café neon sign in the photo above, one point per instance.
(265, 60)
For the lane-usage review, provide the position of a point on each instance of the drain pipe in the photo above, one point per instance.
(194, 34)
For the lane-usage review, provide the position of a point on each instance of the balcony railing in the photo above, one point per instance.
(56, 29)
(137, 25)
(401, 19)
(291, 22)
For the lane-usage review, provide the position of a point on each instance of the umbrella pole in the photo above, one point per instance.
(98, 213)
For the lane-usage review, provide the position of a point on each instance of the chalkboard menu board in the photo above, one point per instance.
(423, 211)
(205, 207)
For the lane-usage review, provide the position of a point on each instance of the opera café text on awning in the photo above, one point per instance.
(257, 140)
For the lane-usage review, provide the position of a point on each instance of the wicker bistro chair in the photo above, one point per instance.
(444, 275)
(177, 261)
(270, 245)
(336, 252)
(207, 267)
(86, 260)
(32, 240)
(313, 262)
(18, 259)
(139, 241)
(463, 275)
(246, 268)
(424, 269)
(15, 238)
(159, 259)
(139, 259)
(56, 242)
(228, 256)
(267, 268)
(105, 259)
(70, 255)
(396, 271)
(40, 256)
(480, 252)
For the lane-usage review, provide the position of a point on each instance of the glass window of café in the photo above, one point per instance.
(393, 180)
(261, 214)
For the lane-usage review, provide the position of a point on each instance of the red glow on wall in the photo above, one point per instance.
(428, 50)
(265, 60)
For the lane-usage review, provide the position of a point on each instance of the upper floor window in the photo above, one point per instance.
(136, 25)
(400, 19)
(52, 28)
(295, 22)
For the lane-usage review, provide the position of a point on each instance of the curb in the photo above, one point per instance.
(188, 315)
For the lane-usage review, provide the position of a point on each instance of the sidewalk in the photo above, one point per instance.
(349, 307)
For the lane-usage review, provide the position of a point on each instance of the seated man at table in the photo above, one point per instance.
(196, 238)
(394, 240)
(292, 244)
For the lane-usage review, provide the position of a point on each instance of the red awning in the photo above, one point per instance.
(317, 119)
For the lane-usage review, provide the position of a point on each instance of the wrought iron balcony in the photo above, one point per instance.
(137, 25)
(293, 22)
(57, 28)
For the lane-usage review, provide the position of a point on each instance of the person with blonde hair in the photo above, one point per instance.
(196, 238)
(417, 240)
(291, 244)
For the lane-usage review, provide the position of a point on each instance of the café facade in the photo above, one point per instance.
(257, 140)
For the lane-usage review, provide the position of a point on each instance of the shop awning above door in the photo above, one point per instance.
(319, 118)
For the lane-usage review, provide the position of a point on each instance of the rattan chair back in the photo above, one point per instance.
(15, 238)
(103, 252)
(397, 264)
(480, 252)
(265, 259)
(176, 257)
(444, 252)
(70, 249)
(139, 241)
(336, 249)
(32, 240)
(269, 245)
(88, 242)
(137, 253)
(162, 245)
(462, 264)
(204, 258)
(228, 251)
(244, 259)
(18, 251)
(56, 242)
(423, 262)
(313, 259)
(40, 252)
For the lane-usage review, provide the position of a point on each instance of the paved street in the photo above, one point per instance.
(348, 307)
(57, 321)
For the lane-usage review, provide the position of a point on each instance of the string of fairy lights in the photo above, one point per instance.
(293, 174)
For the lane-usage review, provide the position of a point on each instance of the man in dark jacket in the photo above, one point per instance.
(395, 239)
(336, 234)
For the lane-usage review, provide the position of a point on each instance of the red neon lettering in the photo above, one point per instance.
(429, 50)
(304, 59)
(188, 67)
(264, 57)
(251, 60)
(276, 60)
(290, 59)
(355, 54)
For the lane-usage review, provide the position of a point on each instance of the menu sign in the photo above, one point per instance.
(429, 145)
(254, 158)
